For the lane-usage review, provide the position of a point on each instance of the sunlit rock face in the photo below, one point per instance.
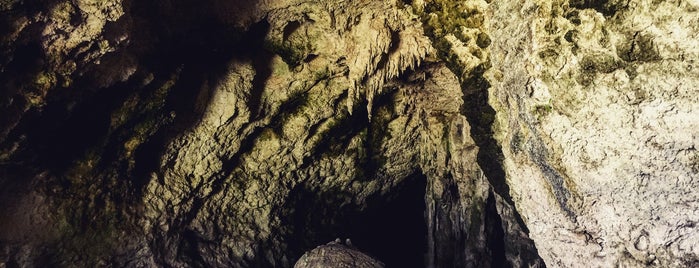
(431, 133)
(598, 119)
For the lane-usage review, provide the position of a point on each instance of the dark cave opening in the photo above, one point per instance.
(390, 227)
(393, 228)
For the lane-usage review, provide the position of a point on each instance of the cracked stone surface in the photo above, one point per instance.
(434, 133)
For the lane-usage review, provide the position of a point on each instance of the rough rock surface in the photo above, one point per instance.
(336, 254)
(598, 117)
(434, 133)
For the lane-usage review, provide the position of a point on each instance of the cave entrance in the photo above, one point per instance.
(392, 227)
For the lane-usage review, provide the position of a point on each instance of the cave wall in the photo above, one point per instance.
(245, 133)
(597, 117)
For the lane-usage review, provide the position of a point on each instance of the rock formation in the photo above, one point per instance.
(436, 133)
(336, 254)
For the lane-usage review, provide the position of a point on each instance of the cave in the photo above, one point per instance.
(230, 133)
(389, 227)
(392, 228)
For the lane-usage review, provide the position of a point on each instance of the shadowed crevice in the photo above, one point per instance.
(608, 8)
(261, 61)
(481, 117)
(495, 235)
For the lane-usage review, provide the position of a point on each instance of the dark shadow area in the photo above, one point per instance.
(382, 112)
(608, 8)
(190, 38)
(189, 249)
(495, 235)
(311, 218)
(391, 227)
(449, 239)
(336, 140)
(164, 36)
(20, 62)
(63, 133)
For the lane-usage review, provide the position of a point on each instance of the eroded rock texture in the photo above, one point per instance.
(336, 254)
(598, 121)
(436, 133)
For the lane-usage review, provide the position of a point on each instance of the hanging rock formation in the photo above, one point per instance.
(225, 133)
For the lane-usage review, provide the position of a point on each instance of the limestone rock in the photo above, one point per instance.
(435, 133)
(598, 120)
(335, 254)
